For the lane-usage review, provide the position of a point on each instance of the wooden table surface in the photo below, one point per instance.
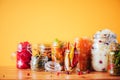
(14, 73)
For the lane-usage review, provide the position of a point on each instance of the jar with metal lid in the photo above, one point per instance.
(38, 59)
(114, 59)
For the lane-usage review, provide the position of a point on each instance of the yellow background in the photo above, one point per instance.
(40, 21)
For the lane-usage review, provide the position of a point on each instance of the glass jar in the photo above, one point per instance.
(58, 53)
(38, 59)
(52, 66)
(114, 60)
(101, 46)
(45, 49)
(38, 62)
(23, 55)
(84, 55)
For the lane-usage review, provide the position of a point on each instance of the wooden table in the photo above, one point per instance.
(14, 73)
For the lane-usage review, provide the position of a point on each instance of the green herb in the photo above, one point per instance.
(117, 61)
(118, 54)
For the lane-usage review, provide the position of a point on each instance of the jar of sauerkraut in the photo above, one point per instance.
(100, 49)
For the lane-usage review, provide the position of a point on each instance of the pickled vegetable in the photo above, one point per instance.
(84, 57)
(114, 59)
(24, 54)
(38, 59)
(101, 47)
(58, 52)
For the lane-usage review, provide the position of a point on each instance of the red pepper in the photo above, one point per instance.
(75, 58)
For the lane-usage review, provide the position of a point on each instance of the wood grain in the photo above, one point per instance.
(14, 73)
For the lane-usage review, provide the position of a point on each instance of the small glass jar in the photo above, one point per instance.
(38, 59)
(45, 50)
(52, 66)
(38, 62)
(114, 60)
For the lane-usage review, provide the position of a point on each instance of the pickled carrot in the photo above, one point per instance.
(84, 46)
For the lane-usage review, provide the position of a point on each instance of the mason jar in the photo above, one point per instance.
(114, 60)
(100, 49)
(83, 46)
(58, 53)
(23, 55)
(38, 62)
(38, 59)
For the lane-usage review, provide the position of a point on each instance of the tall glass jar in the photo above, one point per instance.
(58, 53)
(114, 59)
(84, 56)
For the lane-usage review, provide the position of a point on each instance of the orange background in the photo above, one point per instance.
(40, 21)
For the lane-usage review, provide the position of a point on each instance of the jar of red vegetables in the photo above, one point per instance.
(84, 56)
(24, 54)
